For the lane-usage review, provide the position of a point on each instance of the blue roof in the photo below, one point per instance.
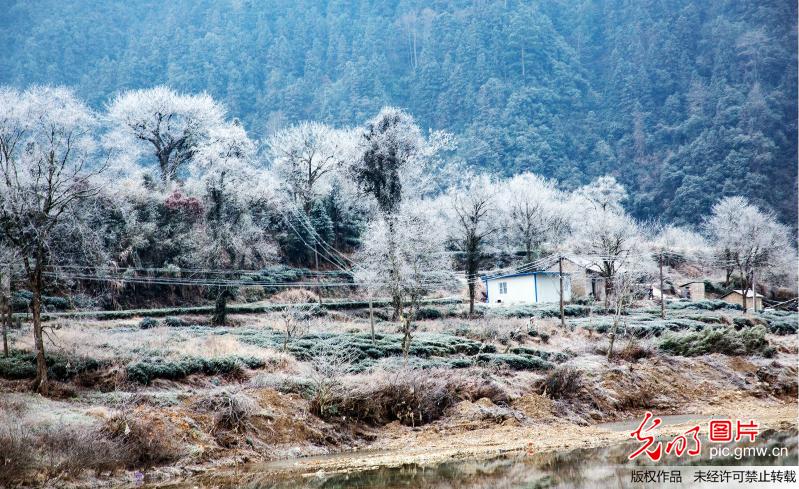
(523, 274)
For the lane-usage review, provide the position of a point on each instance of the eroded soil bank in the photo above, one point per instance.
(198, 422)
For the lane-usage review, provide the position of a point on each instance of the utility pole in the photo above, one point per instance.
(662, 294)
(560, 274)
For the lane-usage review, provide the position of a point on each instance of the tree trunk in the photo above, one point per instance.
(406, 340)
(662, 295)
(40, 383)
(396, 295)
(372, 320)
(318, 279)
(560, 275)
(5, 306)
(220, 308)
(472, 264)
(471, 297)
(612, 338)
(744, 287)
(5, 317)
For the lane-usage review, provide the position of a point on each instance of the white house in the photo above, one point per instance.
(526, 288)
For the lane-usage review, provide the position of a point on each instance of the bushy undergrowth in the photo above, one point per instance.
(409, 396)
(539, 311)
(705, 305)
(556, 357)
(514, 361)
(148, 323)
(146, 371)
(232, 410)
(22, 365)
(21, 301)
(562, 383)
(781, 322)
(424, 345)
(53, 450)
(727, 341)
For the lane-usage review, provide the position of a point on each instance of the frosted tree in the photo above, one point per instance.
(232, 190)
(163, 124)
(308, 160)
(306, 157)
(748, 239)
(49, 164)
(394, 157)
(610, 240)
(672, 244)
(535, 215)
(473, 218)
(604, 193)
(408, 268)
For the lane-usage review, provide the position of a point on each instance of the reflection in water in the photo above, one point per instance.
(582, 468)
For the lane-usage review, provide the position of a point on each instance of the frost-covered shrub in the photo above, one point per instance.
(22, 365)
(174, 322)
(556, 357)
(232, 410)
(781, 322)
(514, 361)
(562, 383)
(429, 313)
(727, 341)
(148, 323)
(409, 396)
(706, 305)
(148, 370)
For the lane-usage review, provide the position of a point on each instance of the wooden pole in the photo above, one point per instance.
(662, 293)
(560, 274)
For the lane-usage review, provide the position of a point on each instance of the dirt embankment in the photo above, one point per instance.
(697, 388)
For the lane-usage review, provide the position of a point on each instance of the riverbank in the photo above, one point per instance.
(172, 401)
(429, 447)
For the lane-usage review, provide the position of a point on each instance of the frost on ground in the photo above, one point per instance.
(190, 397)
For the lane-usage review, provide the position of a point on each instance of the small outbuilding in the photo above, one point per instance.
(693, 291)
(526, 288)
(737, 295)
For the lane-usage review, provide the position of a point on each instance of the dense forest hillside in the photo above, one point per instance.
(683, 101)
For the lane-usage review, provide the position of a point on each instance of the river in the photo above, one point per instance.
(580, 468)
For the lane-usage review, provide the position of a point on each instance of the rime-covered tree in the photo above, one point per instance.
(604, 193)
(535, 215)
(672, 245)
(409, 267)
(305, 159)
(610, 240)
(232, 190)
(162, 125)
(393, 159)
(747, 238)
(473, 217)
(49, 165)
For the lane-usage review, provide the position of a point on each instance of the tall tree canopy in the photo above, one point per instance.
(684, 102)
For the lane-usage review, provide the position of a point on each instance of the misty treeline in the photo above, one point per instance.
(683, 102)
(164, 190)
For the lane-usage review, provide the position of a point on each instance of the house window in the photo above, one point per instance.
(503, 287)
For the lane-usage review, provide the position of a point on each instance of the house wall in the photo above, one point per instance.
(580, 284)
(522, 289)
(549, 288)
(697, 291)
(736, 298)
